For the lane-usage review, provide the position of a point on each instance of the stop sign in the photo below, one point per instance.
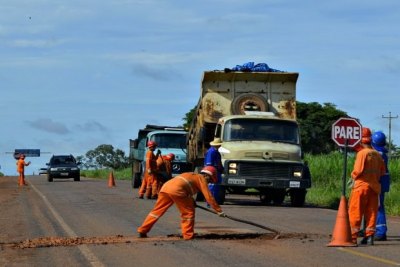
(346, 128)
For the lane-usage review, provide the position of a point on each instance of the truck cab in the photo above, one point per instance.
(168, 139)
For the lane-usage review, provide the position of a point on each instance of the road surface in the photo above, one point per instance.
(87, 223)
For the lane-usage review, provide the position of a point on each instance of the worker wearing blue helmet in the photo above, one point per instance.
(379, 143)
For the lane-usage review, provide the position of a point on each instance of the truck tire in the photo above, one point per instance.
(297, 197)
(221, 195)
(248, 102)
(136, 181)
(278, 196)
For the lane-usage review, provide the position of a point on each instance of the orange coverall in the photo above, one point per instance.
(368, 168)
(150, 183)
(180, 190)
(21, 170)
(164, 168)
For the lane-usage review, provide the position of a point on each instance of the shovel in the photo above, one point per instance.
(242, 221)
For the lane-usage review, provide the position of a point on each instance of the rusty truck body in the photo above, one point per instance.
(254, 114)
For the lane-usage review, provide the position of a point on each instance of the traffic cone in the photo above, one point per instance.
(341, 236)
(111, 180)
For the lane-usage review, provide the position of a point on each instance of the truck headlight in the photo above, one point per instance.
(297, 174)
(232, 168)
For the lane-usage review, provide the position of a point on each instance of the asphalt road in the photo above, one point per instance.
(87, 223)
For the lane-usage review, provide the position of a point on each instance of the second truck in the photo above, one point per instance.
(254, 114)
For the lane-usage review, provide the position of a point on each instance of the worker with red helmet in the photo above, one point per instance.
(164, 167)
(180, 190)
(379, 144)
(150, 183)
(367, 171)
(21, 169)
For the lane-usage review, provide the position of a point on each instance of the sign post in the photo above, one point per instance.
(346, 132)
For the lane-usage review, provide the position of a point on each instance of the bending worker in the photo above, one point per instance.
(379, 143)
(21, 169)
(150, 183)
(180, 190)
(367, 171)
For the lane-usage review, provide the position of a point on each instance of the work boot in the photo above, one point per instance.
(148, 197)
(380, 238)
(368, 240)
(142, 235)
(154, 197)
(141, 197)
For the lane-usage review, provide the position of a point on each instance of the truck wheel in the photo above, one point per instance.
(278, 196)
(136, 181)
(297, 197)
(265, 198)
(248, 102)
(221, 195)
(77, 178)
(49, 178)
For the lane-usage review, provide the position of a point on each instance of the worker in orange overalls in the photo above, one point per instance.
(150, 183)
(164, 167)
(180, 190)
(368, 168)
(21, 169)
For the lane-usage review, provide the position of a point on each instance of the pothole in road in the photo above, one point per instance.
(105, 240)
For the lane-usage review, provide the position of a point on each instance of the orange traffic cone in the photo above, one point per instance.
(341, 236)
(111, 180)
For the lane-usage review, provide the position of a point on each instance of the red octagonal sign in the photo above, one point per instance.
(346, 128)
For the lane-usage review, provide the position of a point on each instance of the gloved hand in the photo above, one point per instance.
(149, 171)
(158, 152)
(221, 214)
(350, 183)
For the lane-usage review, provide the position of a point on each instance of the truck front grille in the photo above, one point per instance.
(274, 170)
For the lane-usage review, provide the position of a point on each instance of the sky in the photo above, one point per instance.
(75, 74)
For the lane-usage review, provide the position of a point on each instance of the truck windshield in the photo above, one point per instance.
(176, 140)
(261, 130)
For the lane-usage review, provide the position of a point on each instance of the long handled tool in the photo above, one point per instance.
(241, 220)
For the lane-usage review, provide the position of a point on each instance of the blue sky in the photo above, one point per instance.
(77, 74)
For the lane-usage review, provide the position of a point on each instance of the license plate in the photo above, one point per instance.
(237, 181)
(294, 184)
(64, 174)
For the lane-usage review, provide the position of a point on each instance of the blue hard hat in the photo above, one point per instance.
(379, 138)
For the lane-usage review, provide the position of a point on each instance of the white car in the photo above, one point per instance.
(42, 171)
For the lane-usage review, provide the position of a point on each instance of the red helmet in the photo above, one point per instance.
(170, 156)
(366, 135)
(151, 144)
(212, 171)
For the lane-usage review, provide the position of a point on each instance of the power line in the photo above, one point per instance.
(390, 117)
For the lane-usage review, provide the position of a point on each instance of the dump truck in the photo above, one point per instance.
(169, 140)
(254, 114)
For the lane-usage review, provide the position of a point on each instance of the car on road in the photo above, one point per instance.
(64, 167)
(42, 171)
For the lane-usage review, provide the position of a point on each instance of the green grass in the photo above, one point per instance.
(123, 174)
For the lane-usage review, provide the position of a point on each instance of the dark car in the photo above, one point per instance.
(63, 166)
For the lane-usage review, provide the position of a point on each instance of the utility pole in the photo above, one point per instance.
(390, 117)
